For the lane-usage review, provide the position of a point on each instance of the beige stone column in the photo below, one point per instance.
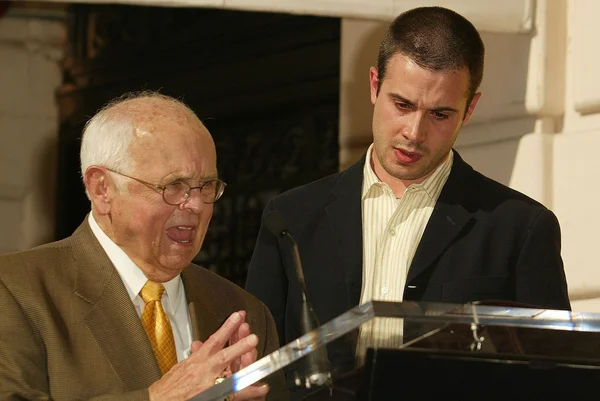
(31, 47)
(576, 188)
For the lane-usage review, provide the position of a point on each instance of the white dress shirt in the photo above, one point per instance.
(173, 300)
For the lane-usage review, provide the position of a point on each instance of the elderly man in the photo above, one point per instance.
(117, 310)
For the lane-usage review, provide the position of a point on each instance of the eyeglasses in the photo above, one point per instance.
(178, 192)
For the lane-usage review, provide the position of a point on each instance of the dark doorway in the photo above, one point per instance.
(266, 86)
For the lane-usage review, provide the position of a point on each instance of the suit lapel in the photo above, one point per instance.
(345, 219)
(112, 319)
(448, 219)
(203, 321)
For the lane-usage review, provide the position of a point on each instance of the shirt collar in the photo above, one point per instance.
(131, 275)
(370, 178)
(432, 185)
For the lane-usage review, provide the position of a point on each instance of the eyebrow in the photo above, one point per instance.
(438, 109)
(188, 178)
(209, 177)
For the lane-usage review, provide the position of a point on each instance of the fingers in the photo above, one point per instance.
(214, 350)
(237, 335)
(219, 338)
(242, 332)
(227, 355)
(211, 359)
(195, 346)
(227, 372)
(198, 372)
(248, 358)
(252, 393)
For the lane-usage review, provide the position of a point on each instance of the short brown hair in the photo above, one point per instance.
(437, 39)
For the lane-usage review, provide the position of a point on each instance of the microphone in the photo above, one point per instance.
(318, 372)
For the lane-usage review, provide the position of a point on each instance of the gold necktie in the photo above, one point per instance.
(157, 326)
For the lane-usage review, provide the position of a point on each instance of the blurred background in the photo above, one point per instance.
(283, 87)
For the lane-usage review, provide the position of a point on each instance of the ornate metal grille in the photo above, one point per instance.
(266, 85)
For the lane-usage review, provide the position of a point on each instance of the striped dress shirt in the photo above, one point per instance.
(392, 230)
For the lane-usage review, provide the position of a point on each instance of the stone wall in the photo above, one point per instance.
(31, 48)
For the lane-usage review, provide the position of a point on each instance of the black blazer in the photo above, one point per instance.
(483, 241)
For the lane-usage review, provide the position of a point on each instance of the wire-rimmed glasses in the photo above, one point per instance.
(179, 191)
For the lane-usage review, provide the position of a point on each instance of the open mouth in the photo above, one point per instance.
(181, 234)
(406, 157)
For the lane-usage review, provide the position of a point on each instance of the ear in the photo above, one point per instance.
(373, 83)
(98, 188)
(471, 107)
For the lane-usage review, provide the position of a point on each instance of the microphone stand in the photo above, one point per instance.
(318, 372)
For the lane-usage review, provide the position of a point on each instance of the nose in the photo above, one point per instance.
(415, 130)
(194, 202)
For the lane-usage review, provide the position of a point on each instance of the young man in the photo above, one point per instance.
(411, 220)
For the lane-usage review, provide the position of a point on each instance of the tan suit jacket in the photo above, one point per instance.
(69, 330)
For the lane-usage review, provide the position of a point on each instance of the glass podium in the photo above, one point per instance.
(425, 351)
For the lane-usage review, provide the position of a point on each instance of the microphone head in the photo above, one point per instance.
(276, 223)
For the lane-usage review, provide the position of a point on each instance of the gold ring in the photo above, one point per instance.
(219, 380)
